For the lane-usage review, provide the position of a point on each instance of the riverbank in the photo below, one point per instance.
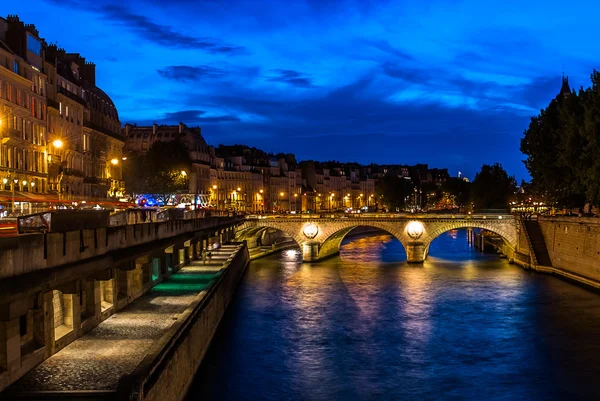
(151, 349)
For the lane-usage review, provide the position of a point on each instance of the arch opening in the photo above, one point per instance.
(364, 243)
(468, 243)
(267, 240)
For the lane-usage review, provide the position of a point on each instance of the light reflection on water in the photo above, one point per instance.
(367, 325)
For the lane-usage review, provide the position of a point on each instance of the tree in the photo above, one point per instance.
(160, 172)
(562, 145)
(492, 187)
(394, 191)
(460, 189)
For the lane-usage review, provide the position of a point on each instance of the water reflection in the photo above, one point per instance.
(366, 325)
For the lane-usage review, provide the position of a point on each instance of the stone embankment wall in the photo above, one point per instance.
(573, 245)
(169, 368)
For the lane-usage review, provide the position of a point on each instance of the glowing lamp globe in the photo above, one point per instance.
(310, 231)
(414, 229)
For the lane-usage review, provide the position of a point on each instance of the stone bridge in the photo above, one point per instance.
(321, 236)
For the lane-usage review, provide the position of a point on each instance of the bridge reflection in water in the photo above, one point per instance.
(366, 325)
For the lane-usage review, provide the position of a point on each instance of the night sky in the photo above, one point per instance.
(450, 83)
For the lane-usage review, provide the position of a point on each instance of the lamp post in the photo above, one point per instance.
(296, 203)
(15, 182)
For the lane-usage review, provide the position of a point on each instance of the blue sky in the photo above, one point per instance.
(450, 83)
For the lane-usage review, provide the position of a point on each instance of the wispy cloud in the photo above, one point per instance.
(185, 73)
(291, 77)
(197, 117)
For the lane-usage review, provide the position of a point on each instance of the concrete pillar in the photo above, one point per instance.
(194, 250)
(310, 251)
(44, 329)
(163, 264)
(10, 345)
(416, 252)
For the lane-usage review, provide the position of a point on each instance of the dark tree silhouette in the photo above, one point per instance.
(158, 172)
(492, 187)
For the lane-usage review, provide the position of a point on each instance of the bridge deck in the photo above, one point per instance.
(98, 359)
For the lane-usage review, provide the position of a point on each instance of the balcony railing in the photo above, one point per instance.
(98, 128)
(53, 103)
(72, 96)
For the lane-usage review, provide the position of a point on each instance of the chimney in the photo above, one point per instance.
(154, 127)
(89, 73)
(180, 127)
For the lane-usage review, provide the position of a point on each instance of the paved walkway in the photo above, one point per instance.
(114, 348)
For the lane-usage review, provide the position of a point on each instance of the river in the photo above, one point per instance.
(365, 325)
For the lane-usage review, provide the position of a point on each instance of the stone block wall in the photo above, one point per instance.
(573, 244)
(57, 303)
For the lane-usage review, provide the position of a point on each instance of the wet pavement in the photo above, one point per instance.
(114, 348)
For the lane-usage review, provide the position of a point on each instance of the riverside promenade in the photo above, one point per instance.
(95, 363)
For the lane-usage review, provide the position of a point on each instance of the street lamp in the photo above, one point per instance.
(114, 162)
(183, 173)
(57, 143)
(15, 182)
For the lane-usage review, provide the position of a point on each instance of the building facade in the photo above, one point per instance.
(60, 133)
(23, 111)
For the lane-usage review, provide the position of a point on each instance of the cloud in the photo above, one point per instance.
(292, 77)
(147, 29)
(184, 73)
(196, 117)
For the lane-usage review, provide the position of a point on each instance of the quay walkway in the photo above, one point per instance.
(96, 361)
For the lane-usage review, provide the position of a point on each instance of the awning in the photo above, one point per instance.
(19, 196)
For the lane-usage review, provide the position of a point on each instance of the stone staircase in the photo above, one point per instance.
(537, 243)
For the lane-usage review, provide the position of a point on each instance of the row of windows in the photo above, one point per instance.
(22, 159)
(15, 95)
(29, 131)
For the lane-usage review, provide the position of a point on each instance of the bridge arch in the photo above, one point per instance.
(251, 233)
(505, 228)
(331, 244)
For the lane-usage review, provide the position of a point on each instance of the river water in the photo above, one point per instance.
(365, 325)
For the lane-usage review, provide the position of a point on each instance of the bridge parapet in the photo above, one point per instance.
(33, 252)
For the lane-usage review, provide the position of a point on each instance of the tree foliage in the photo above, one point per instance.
(492, 187)
(158, 172)
(459, 188)
(393, 191)
(562, 145)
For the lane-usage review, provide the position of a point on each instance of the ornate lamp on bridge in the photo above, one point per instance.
(414, 229)
(310, 231)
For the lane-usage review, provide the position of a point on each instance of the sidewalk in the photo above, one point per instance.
(98, 359)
